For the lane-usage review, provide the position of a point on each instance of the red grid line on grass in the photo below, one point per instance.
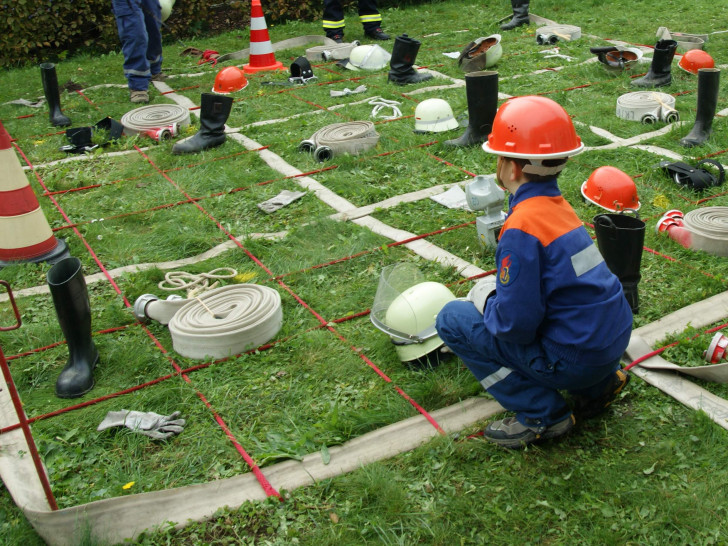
(217, 194)
(269, 490)
(283, 285)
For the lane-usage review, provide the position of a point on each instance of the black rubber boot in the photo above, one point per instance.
(620, 238)
(401, 69)
(53, 95)
(708, 80)
(520, 15)
(70, 298)
(659, 73)
(481, 89)
(214, 112)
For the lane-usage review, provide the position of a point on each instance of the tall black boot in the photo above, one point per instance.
(214, 112)
(520, 15)
(53, 95)
(659, 73)
(708, 80)
(401, 69)
(481, 89)
(621, 238)
(70, 298)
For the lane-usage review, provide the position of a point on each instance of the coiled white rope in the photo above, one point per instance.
(379, 104)
(154, 116)
(226, 321)
(647, 107)
(195, 283)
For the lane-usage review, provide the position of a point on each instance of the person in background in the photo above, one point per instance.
(368, 15)
(139, 25)
(520, 15)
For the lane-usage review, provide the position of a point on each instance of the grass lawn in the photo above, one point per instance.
(649, 471)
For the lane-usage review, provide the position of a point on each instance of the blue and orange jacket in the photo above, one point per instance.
(552, 283)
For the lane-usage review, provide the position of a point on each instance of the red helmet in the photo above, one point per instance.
(611, 189)
(229, 80)
(533, 128)
(694, 60)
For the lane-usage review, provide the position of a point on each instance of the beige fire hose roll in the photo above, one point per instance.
(226, 321)
(709, 229)
(350, 137)
(153, 116)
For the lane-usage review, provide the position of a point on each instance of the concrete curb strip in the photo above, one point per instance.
(114, 520)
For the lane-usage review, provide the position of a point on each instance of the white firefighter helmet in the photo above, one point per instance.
(368, 57)
(407, 313)
(481, 53)
(167, 6)
(434, 116)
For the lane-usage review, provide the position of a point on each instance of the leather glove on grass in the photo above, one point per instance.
(157, 427)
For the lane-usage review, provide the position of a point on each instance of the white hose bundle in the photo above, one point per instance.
(647, 107)
(351, 137)
(330, 51)
(550, 34)
(709, 229)
(154, 116)
(226, 321)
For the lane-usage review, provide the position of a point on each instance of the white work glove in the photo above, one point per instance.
(480, 293)
(158, 427)
(286, 197)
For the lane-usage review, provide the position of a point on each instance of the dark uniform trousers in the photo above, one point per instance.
(334, 16)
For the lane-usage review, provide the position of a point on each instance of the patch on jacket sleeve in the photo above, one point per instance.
(508, 268)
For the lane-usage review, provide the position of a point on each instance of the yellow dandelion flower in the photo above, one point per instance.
(127, 485)
(662, 202)
(244, 277)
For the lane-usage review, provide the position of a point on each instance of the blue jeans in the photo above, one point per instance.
(525, 379)
(138, 23)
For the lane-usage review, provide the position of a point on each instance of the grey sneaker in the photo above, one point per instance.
(138, 96)
(159, 77)
(510, 433)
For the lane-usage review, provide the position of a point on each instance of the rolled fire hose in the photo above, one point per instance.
(647, 107)
(331, 52)
(222, 322)
(708, 227)
(550, 34)
(351, 137)
(154, 116)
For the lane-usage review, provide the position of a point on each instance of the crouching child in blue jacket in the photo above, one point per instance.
(555, 318)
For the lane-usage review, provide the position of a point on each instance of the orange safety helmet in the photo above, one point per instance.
(694, 60)
(533, 128)
(229, 80)
(611, 189)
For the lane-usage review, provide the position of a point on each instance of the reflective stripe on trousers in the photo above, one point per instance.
(138, 24)
(334, 15)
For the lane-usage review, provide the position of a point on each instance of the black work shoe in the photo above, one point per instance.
(377, 34)
(338, 38)
(509, 432)
(591, 407)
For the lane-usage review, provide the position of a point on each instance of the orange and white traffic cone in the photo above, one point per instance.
(261, 50)
(25, 235)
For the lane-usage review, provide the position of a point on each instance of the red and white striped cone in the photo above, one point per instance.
(261, 49)
(25, 235)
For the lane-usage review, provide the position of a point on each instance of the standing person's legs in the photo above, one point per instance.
(371, 20)
(152, 22)
(134, 40)
(334, 20)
